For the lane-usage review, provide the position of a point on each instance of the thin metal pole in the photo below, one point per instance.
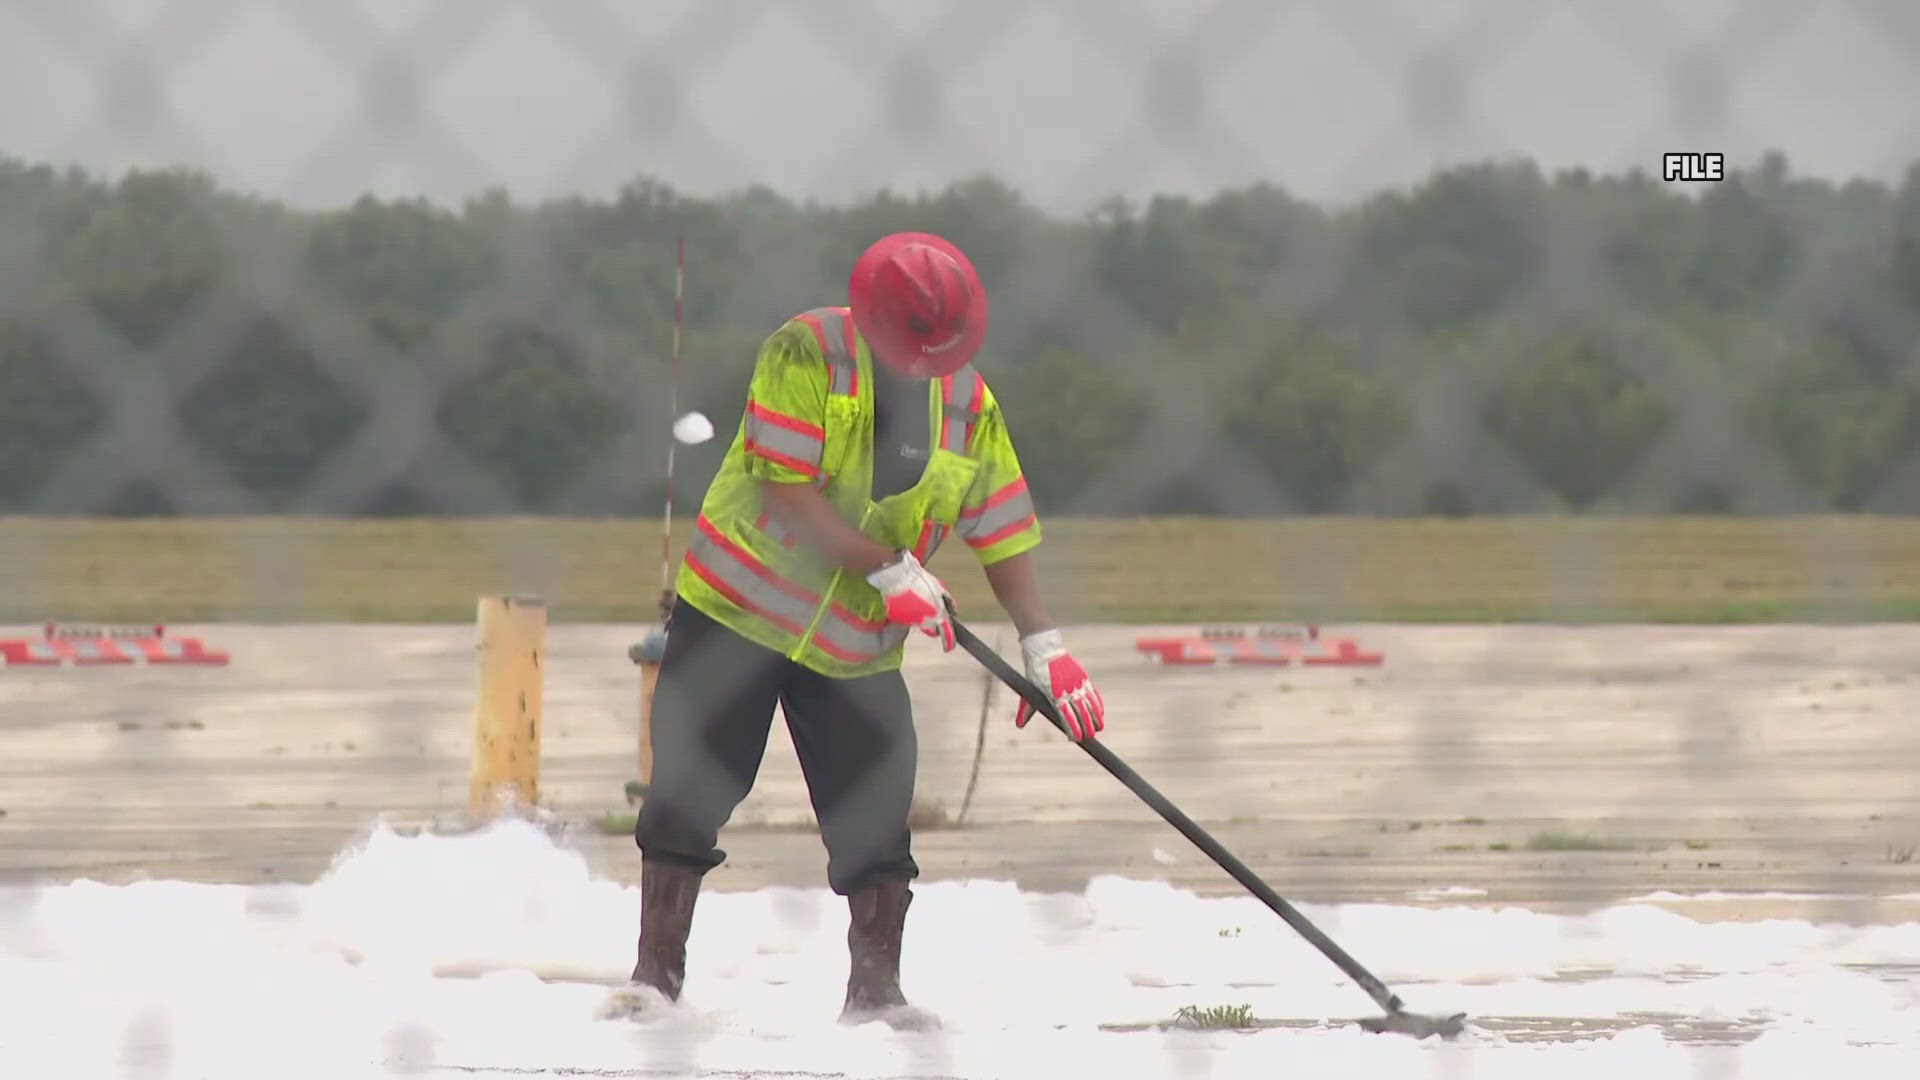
(988, 683)
(673, 412)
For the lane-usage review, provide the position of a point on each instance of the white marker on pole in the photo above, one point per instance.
(693, 429)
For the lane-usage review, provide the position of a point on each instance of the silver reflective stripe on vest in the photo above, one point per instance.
(960, 408)
(775, 531)
(784, 440)
(830, 327)
(740, 578)
(931, 534)
(736, 575)
(845, 636)
(1005, 511)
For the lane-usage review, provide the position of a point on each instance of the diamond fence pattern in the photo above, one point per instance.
(144, 384)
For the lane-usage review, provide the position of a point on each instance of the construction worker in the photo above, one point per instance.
(806, 571)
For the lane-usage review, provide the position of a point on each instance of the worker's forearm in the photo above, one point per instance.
(1017, 588)
(804, 510)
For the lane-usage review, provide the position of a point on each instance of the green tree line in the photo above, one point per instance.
(1494, 339)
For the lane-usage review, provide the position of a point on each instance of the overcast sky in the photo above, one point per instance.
(317, 101)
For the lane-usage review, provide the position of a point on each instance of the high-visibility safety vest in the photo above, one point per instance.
(809, 419)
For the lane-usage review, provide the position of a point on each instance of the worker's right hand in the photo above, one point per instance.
(915, 598)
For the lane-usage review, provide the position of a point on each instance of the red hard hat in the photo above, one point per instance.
(918, 302)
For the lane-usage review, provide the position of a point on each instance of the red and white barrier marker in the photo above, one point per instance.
(85, 645)
(1268, 647)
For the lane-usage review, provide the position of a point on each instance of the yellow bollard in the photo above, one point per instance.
(506, 746)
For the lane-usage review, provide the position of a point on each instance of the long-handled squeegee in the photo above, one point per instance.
(1397, 1019)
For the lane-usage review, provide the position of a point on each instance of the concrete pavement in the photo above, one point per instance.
(1739, 759)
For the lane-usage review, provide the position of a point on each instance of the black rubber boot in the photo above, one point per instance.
(667, 895)
(878, 919)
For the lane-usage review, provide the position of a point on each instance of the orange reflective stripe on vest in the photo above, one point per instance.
(960, 408)
(734, 573)
(833, 329)
(846, 636)
(931, 533)
(1004, 513)
(746, 581)
(784, 440)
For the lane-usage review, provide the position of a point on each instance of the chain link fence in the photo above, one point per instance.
(237, 396)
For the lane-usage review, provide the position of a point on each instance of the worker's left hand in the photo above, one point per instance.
(1060, 676)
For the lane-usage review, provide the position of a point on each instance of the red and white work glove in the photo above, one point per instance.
(915, 598)
(1054, 670)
